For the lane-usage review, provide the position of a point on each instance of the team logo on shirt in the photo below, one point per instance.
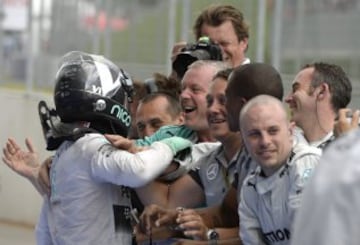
(306, 174)
(277, 236)
(212, 171)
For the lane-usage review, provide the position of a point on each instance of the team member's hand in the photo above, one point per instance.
(25, 163)
(177, 49)
(192, 224)
(343, 125)
(156, 216)
(123, 143)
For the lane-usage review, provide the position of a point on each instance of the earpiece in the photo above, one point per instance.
(322, 88)
(321, 93)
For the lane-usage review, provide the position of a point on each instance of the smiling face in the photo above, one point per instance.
(216, 112)
(195, 86)
(302, 100)
(154, 114)
(224, 35)
(267, 136)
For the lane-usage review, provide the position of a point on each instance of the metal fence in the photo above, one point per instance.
(139, 34)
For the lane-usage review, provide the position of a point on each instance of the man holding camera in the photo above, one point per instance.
(226, 28)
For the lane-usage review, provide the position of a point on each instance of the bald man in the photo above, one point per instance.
(270, 196)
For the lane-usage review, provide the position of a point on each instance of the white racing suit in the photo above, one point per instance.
(329, 214)
(85, 207)
(268, 204)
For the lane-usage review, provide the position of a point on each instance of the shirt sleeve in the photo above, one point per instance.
(302, 171)
(134, 170)
(166, 132)
(329, 211)
(250, 230)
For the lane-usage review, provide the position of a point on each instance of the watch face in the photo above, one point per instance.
(213, 235)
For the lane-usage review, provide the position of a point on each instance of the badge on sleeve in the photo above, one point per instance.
(306, 174)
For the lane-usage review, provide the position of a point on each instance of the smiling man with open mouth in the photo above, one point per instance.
(195, 87)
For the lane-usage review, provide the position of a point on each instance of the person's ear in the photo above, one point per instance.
(181, 119)
(243, 102)
(322, 90)
(292, 126)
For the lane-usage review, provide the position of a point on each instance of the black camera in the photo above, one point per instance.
(204, 49)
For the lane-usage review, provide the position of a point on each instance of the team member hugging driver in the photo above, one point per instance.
(90, 199)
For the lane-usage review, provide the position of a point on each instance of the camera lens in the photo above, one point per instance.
(203, 50)
(184, 59)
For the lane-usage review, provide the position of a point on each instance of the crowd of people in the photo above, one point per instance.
(211, 156)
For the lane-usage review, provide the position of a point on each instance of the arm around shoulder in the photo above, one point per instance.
(135, 170)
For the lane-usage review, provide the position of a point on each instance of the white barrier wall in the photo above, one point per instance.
(19, 202)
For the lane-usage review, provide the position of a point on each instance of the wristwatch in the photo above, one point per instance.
(212, 236)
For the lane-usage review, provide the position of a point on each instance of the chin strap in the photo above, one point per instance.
(55, 132)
